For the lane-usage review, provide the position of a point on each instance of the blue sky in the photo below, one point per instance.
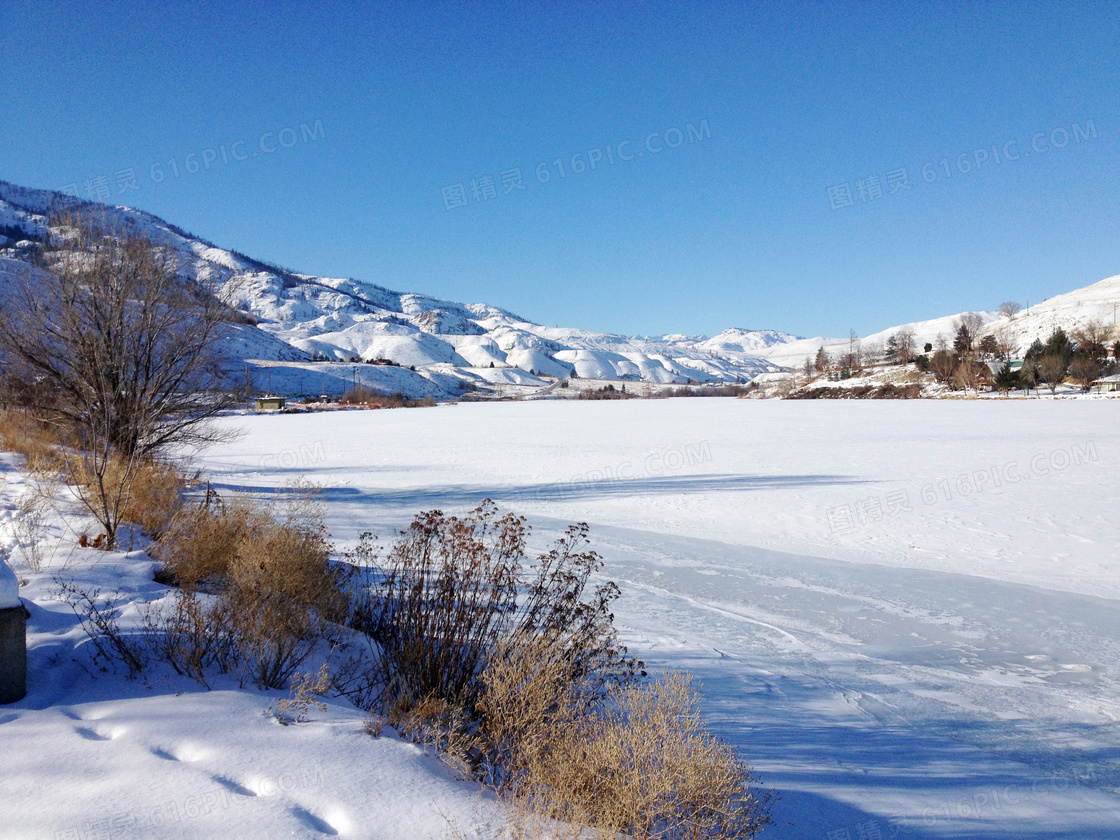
(757, 149)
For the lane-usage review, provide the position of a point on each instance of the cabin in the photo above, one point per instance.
(268, 402)
(1107, 384)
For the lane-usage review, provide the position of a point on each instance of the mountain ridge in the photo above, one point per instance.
(296, 317)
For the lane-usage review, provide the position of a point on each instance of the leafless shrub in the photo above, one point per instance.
(448, 598)
(29, 527)
(361, 395)
(514, 670)
(100, 623)
(194, 636)
(728, 390)
(607, 392)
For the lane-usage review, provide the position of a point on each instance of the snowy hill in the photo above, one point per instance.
(1098, 302)
(794, 353)
(303, 317)
(745, 342)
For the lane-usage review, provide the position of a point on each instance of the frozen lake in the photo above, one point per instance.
(904, 613)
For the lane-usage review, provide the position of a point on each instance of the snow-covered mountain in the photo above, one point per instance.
(302, 317)
(311, 330)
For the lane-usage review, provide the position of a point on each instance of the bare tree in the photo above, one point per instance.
(113, 346)
(1052, 369)
(1084, 369)
(1092, 338)
(966, 375)
(1009, 309)
(1005, 344)
(900, 346)
(853, 359)
(943, 363)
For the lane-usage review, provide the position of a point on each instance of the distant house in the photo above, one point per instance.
(1108, 383)
(268, 402)
(989, 371)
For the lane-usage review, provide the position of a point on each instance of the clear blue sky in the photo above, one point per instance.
(742, 222)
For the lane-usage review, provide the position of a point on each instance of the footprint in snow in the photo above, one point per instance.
(312, 821)
(233, 787)
(184, 752)
(90, 735)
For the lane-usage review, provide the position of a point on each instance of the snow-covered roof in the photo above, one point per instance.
(9, 586)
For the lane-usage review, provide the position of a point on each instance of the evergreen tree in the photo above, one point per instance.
(1058, 344)
(963, 342)
(1006, 379)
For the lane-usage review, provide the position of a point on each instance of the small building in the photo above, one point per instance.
(268, 402)
(988, 372)
(1107, 383)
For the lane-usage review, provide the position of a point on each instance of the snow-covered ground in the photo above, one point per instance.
(904, 613)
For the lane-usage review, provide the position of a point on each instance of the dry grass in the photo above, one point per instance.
(114, 489)
(154, 498)
(305, 691)
(35, 440)
(269, 567)
(441, 726)
(201, 542)
(640, 761)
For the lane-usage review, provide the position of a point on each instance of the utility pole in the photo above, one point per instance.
(246, 386)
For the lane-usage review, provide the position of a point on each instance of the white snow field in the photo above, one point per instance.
(906, 614)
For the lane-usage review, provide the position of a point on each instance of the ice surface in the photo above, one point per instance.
(938, 662)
